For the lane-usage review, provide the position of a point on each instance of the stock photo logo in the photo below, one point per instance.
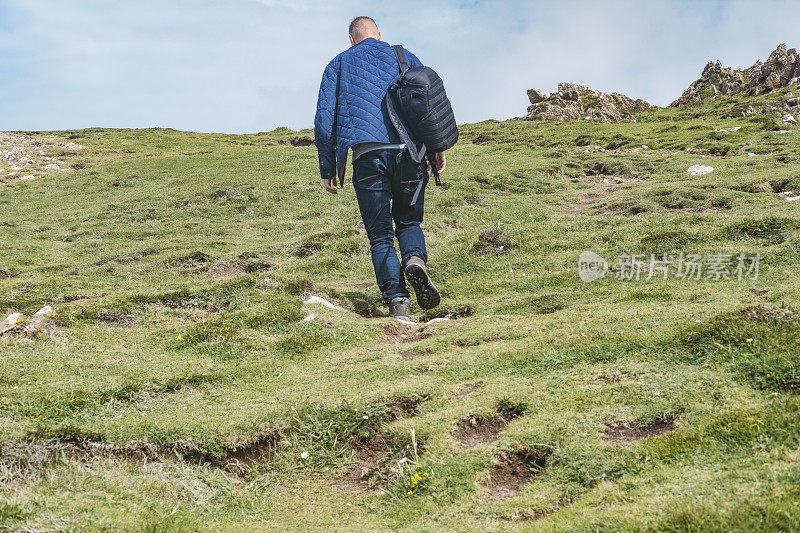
(591, 266)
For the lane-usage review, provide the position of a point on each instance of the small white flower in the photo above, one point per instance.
(304, 455)
(365, 417)
(403, 460)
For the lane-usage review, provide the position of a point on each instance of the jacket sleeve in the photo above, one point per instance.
(325, 120)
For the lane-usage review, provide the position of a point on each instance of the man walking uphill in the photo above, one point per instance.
(389, 185)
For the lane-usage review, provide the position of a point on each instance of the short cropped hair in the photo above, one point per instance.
(362, 27)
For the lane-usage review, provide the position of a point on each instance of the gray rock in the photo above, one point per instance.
(535, 96)
(13, 321)
(697, 170)
(37, 327)
(781, 69)
(576, 102)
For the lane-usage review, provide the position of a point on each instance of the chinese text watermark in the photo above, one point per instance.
(685, 266)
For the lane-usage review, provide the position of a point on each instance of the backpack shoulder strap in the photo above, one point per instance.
(402, 59)
(399, 125)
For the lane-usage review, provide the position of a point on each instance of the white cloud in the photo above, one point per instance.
(251, 65)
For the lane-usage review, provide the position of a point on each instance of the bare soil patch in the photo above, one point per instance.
(586, 200)
(424, 369)
(71, 298)
(603, 186)
(410, 354)
(400, 333)
(115, 317)
(768, 314)
(362, 476)
(243, 460)
(623, 432)
(475, 431)
(513, 471)
(406, 405)
(226, 270)
(296, 141)
(25, 459)
(469, 389)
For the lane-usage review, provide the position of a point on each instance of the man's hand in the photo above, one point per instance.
(441, 162)
(330, 185)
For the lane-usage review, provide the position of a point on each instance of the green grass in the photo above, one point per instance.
(180, 389)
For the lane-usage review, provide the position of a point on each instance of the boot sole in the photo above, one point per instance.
(427, 294)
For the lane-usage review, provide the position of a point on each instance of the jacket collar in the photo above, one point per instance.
(372, 39)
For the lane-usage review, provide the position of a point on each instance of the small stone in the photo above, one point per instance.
(46, 312)
(750, 154)
(11, 322)
(696, 170)
(314, 299)
(789, 119)
(27, 178)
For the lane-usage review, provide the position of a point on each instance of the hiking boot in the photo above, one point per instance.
(417, 275)
(400, 308)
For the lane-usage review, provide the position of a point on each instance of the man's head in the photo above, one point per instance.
(363, 28)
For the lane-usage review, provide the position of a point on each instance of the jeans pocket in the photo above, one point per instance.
(367, 171)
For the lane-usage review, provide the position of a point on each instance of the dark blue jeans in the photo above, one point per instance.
(384, 188)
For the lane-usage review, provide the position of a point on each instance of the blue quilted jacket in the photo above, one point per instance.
(350, 108)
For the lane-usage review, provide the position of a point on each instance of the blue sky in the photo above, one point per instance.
(252, 65)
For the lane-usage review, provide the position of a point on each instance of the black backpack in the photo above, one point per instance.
(420, 112)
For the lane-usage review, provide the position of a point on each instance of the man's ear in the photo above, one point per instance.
(379, 36)
(352, 41)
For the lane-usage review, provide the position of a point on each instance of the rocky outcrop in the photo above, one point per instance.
(38, 325)
(781, 69)
(25, 158)
(575, 102)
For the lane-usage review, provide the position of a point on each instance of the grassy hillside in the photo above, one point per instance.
(179, 387)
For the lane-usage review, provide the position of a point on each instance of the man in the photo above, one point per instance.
(351, 113)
